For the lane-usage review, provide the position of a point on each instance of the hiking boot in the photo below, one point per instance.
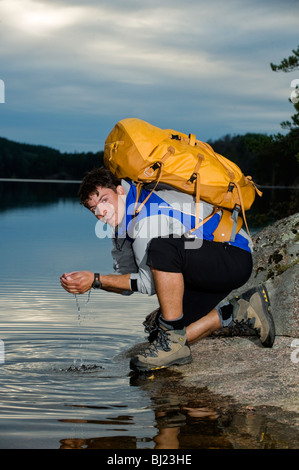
(151, 325)
(251, 314)
(169, 348)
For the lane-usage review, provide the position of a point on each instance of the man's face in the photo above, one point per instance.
(107, 205)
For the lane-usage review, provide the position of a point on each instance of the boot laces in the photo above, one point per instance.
(161, 342)
(243, 326)
(150, 327)
(150, 323)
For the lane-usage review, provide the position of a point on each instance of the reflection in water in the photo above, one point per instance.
(175, 429)
(31, 194)
(181, 422)
(113, 442)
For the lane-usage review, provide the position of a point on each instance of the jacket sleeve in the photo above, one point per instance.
(143, 231)
(142, 281)
(123, 259)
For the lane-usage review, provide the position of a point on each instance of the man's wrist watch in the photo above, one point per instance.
(97, 283)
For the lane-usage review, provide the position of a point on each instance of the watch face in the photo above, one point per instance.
(97, 283)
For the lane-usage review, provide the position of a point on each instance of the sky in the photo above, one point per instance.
(70, 70)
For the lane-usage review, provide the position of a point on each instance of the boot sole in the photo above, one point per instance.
(269, 341)
(138, 366)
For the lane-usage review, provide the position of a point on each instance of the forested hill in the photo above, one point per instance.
(18, 160)
(270, 160)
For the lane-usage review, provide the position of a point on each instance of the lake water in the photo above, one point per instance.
(64, 379)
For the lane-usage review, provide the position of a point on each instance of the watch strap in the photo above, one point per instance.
(97, 283)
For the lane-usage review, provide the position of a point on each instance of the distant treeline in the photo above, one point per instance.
(19, 160)
(270, 160)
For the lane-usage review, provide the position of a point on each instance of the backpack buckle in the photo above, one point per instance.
(150, 170)
(192, 178)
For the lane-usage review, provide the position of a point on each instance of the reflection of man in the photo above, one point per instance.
(152, 255)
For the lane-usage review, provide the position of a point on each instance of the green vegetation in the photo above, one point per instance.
(36, 161)
(270, 160)
(289, 64)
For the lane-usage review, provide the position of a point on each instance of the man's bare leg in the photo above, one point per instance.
(203, 327)
(170, 291)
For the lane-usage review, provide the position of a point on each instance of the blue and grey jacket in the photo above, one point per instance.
(167, 212)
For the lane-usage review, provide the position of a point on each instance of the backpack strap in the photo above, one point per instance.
(138, 191)
(149, 171)
(229, 226)
(199, 224)
(196, 177)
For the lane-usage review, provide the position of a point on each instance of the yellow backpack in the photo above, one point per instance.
(146, 154)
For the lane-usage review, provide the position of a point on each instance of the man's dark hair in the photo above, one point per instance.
(97, 177)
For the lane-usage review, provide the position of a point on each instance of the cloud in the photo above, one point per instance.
(37, 18)
(200, 64)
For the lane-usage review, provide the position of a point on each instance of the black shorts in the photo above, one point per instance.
(211, 270)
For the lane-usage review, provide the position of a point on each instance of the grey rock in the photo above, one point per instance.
(275, 261)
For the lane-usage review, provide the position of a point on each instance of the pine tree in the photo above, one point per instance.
(291, 64)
